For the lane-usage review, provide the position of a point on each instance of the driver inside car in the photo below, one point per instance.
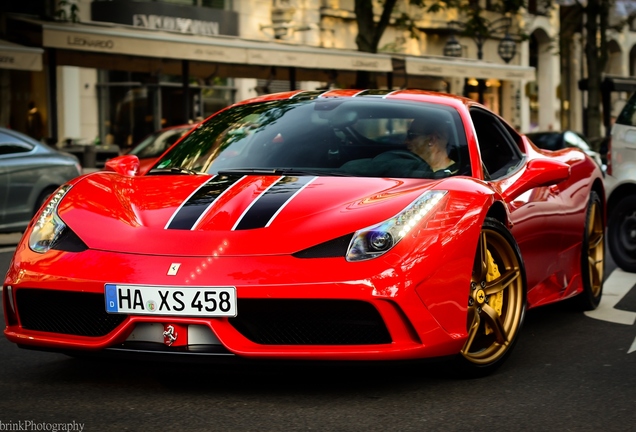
(426, 157)
(430, 142)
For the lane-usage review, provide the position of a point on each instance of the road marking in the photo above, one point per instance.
(616, 286)
(7, 249)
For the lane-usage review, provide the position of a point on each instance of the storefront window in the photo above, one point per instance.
(134, 105)
(492, 93)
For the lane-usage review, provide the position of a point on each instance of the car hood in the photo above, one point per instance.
(228, 215)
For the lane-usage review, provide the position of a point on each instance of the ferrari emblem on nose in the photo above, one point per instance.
(169, 335)
(174, 268)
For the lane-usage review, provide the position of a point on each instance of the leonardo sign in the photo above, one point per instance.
(90, 42)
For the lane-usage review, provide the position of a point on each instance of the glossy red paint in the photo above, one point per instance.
(419, 288)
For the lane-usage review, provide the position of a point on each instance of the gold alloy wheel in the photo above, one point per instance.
(496, 303)
(595, 248)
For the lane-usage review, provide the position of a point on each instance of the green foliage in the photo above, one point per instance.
(73, 9)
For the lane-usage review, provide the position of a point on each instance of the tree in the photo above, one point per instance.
(596, 18)
(591, 18)
(370, 31)
(593, 13)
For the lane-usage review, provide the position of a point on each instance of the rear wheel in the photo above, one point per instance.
(592, 256)
(621, 230)
(496, 302)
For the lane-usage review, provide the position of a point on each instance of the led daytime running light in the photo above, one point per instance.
(364, 244)
(416, 211)
(48, 226)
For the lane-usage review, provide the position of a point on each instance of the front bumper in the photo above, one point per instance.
(288, 308)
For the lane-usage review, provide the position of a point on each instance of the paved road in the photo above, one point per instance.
(569, 372)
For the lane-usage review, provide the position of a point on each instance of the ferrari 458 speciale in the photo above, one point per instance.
(303, 226)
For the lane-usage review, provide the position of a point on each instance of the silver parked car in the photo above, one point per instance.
(620, 187)
(29, 172)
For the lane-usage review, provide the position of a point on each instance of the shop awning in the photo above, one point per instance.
(463, 68)
(18, 57)
(115, 39)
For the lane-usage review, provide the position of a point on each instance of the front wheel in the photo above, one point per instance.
(621, 230)
(496, 302)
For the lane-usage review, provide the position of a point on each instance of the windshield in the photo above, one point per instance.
(330, 136)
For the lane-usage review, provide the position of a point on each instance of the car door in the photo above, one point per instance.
(534, 213)
(15, 182)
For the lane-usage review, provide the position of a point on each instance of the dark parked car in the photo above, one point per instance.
(29, 172)
(554, 140)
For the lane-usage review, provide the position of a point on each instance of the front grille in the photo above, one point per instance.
(66, 312)
(310, 322)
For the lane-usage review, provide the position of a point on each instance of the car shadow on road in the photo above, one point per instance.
(268, 377)
(545, 331)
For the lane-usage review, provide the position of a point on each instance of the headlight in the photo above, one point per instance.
(48, 226)
(378, 239)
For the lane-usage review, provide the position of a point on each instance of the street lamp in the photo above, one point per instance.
(452, 48)
(480, 31)
(480, 34)
(507, 48)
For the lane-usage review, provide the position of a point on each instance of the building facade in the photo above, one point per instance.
(114, 71)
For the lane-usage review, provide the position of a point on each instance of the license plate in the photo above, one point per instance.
(170, 300)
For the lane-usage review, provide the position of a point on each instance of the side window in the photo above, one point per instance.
(515, 136)
(628, 114)
(499, 152)
(11, 145)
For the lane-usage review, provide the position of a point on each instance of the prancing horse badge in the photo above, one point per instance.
(174, 268)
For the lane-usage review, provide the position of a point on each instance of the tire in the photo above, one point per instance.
(592, 256)
(496, 302)
(621, 231)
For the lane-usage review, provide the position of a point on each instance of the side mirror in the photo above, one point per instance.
(127, 165)
(539, 172)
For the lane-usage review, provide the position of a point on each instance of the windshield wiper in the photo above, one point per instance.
(282, 171)
(174, 170)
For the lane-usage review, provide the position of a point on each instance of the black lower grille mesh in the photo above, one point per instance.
(310, 322)
(74, 313)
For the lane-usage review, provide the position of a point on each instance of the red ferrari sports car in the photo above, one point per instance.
(308, 225)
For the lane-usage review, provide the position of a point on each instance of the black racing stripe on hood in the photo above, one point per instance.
(262, 211)
(191, 210)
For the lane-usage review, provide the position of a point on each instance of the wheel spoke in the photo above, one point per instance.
(596, 239)
(472, 332)
(502, 282)
(595, 273)
(492, 317)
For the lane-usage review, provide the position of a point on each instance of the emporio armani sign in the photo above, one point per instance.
(182, 25)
